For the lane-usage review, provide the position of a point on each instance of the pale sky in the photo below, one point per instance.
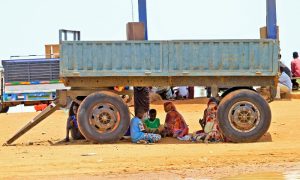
(26, 25)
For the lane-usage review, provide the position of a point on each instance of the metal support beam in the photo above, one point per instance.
(143, 16)
(146, 81)
(271, 20)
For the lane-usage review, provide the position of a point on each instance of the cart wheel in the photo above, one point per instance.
(244, 116)
(103, 117)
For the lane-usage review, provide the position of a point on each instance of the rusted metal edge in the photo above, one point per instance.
(219, 81)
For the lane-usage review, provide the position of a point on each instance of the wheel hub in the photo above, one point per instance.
(104, 117)
(244, 116)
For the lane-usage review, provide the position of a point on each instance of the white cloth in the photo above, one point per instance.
(286, 80)
(183, 91)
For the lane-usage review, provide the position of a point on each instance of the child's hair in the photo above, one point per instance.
(71, 112)
(152, 111)
(213, 100)
(139, 111)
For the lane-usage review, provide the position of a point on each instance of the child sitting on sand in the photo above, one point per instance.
(72, 124)
(137, 130)
(152, 124)
(210, 126)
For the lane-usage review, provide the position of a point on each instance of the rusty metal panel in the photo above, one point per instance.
(169, 58)
(135, 31)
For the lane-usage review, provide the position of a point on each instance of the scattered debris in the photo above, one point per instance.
(50, 142)
(89, 154)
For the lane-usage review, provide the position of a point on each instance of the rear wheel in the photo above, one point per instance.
(103, 117)
(244, 116)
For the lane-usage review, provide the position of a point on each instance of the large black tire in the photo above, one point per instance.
(244, 116)
(3, 109)
(103, 117)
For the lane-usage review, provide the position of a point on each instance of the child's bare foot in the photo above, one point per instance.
(142, 142)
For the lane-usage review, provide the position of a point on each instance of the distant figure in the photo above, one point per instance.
(166, 92)
(191, 92)
(137, 130)
(285, 83)
(152, 123)
(183, 92)
(72, 124)
(175, 125)
(295, 66)
(208, 92)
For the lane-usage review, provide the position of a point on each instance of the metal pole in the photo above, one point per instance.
(271, 20)
(78, 36)
(143, 16)
(60, 32)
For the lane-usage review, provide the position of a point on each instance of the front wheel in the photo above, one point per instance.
(244, 116)
(103, 117)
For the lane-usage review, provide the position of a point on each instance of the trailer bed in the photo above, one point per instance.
(169, 58)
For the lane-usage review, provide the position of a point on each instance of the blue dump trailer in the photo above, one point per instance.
(89, 68)
(29, 82)
(169, 58)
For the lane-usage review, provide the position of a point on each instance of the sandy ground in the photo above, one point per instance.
(40, 154)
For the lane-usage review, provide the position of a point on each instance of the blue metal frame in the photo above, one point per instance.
(271, 20)
(29, 96)
(143, 16)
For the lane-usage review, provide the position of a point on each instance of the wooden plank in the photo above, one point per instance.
(52, 50)
(36, 120)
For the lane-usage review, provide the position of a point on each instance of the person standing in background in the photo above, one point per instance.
(183, 92)
(295, 66)
(191, 92)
